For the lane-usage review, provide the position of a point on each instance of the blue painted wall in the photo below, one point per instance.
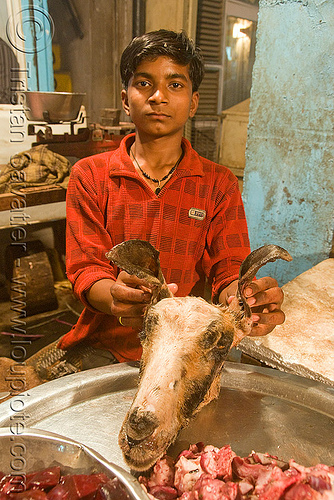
(289, 175)
(37, 28)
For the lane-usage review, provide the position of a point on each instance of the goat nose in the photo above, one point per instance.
(141, 424)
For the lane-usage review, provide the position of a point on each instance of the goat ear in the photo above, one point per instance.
(250, 266)
(140, 258)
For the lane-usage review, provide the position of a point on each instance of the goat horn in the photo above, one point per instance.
(140, 258)
(250, 266)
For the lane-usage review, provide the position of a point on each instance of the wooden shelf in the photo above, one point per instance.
(33, 196)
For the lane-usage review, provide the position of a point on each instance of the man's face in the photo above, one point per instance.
(159, 98)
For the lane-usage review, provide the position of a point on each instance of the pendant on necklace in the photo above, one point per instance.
(158, 189)
(145, 174)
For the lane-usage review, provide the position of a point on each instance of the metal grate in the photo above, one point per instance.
(204, 137)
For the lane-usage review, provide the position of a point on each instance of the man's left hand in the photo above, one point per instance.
(265, 299)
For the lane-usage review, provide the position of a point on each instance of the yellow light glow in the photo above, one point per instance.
(240, 25)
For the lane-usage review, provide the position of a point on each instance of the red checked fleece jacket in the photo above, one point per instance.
(197, 222)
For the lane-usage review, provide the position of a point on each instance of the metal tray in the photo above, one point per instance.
(259, 409)
(36, 450)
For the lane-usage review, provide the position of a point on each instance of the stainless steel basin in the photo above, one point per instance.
(52, 107)
(30, 450)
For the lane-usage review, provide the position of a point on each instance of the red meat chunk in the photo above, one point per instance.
(302, 492)
(164, 492)
(83, 486)
(319, 483)
(275, 485)
(266, 459)
(112, 490)
(59, 492)
(43, 479)
(246, 486)
(208, 488)
(242, 468)
(163, 473)
(218, 462)
(28, 495)
(12, 483)
(193, 451)
(187, 472)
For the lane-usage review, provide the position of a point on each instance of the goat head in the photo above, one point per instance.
(185, 342)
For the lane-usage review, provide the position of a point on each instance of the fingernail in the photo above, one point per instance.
(251, 301)
(248, 291)
(255, 318)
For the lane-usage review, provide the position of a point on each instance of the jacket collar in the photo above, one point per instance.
(120, 162)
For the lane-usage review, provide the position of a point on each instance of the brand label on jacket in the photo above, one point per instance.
(197, 213)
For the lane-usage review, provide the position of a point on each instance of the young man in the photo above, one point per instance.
(155, 187)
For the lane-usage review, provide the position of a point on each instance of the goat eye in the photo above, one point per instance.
(225, 340)
(211, 335)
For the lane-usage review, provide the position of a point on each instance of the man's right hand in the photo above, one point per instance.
(126, 298)
(130, 297)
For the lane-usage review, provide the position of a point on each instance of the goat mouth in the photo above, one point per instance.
(142, 454)
(135, 442)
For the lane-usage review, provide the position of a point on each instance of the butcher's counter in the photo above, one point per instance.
(258, 409)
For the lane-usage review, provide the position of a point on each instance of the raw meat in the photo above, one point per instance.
(49, 484)
(209, 473)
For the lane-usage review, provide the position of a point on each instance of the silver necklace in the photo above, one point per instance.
(158, 181)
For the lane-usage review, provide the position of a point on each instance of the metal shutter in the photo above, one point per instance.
(210, 30)
(209, 36)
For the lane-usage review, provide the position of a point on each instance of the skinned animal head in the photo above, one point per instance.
(185, 342)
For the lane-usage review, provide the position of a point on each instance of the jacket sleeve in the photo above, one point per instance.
(227, 240)
(87, 240)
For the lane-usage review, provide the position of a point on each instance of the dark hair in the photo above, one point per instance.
(167, 43)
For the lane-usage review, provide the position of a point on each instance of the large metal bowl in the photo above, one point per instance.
(30, 450)
(258, 409)
(52, 107)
